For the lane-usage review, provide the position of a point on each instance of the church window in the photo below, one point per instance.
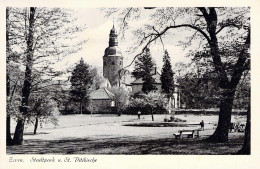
(113, 63)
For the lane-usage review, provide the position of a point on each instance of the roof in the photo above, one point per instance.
(101, 94)
(113, 51)
(155, 76)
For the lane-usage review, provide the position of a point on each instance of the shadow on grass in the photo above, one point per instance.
(127, 145)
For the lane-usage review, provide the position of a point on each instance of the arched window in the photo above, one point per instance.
(113, 63)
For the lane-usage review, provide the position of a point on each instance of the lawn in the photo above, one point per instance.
(107, 134)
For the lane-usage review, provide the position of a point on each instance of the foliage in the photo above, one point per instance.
(44, 108)
(41, 36)
(121, 97)
(199, 87)
(167, 76)
(97, 78)
(143, 69)
(150, 100)
(198, 92)
(81, 80)
(93, 108)
(15, 78)
(223, 34)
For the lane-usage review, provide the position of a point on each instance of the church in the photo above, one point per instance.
(116, 75)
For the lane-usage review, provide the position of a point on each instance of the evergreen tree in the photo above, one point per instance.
(167, 76)
(81, 80)
(143, 69)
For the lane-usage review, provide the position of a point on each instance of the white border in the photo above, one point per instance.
(139, 161)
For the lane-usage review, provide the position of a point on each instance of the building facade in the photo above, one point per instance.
(102, 100)
(138, 84)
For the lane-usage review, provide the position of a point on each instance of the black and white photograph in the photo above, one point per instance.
(128, 81)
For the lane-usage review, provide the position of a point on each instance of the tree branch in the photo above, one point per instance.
(204, 12)
(153, 37)
(160, 36)
(227, 25)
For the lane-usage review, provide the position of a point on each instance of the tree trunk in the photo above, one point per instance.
(81, 107)
(18, 135)
(8, 119)
(221, 133)
(119, 112)
(26, 90)
(246, 149)
(8, 124)
(152, 113)
(9, 140)
(35, 125)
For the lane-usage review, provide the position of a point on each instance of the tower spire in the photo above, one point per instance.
(113, 23)
(113, 37)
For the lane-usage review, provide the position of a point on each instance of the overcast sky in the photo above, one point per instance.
(97, 34)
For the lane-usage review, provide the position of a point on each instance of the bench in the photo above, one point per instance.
(189, 133)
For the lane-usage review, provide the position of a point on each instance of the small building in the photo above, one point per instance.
(138, 84)
(102, 100)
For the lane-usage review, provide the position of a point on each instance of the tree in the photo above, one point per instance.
(167, 76)
(41, 36)
(9, 140)
(210, 27)
(246, 149)
(43, 110)
(13, 99)
(97, 78)
(150, 100)
(121, 98)
(198, 83)
(81, 80)
(143, 69)
(92, 107)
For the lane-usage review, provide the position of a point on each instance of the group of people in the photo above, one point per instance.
(236, 127)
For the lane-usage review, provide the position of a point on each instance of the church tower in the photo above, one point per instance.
(112, 59)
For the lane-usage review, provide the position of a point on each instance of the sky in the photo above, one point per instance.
(97, 34)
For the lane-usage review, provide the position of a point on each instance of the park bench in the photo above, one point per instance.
(189, 133)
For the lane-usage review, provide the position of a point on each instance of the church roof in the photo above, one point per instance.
(101, 94)
(155, 76)
(113, 49)
(113, 30)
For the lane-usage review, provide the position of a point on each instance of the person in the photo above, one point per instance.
(231, 127)
(139, 114)
(202, 125)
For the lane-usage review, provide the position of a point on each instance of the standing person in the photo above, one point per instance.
(139, 114)
(202, 125)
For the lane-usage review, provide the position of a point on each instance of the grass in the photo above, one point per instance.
(107, 134)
